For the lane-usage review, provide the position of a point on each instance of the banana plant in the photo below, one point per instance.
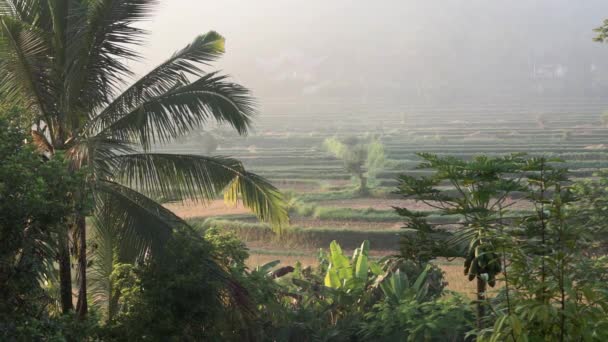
(353, 275)
(397, 287)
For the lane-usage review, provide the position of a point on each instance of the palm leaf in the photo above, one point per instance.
(24, 10)
(103, 243)
(102, 36)
(98, 153)
(201, 177)
(10, 8)
(178, 111)
(163, 78)
(133, 227)
(23, 66)
(43, 146)
(107, 250)
(144, 225)
(259, 196)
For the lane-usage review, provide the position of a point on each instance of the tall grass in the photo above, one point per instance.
(302, 238)
(349, 214)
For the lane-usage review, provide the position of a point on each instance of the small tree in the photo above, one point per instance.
(362, 158)
(476, 203)
(555, 285)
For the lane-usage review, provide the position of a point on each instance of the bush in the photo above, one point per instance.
(178, 296)
(34, 203)
(448, 318)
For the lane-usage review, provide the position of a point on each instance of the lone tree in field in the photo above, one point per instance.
(66, 62)
(362, 158)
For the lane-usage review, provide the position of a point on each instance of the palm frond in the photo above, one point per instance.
(43, 146)
(9, 8)
(261, 197)
(24, 10)
(102, 37)
(144, 225)
(23, 66)
(173, 114)
(201, 177)
(98, 153)
(103, 243)
(163, 78)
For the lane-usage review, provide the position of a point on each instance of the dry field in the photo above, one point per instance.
(198, 209)
(388, 204)
(344, 224)
(453, 269)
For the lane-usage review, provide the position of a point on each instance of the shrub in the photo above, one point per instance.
(178, 296)
(34, 204)
(448, 318)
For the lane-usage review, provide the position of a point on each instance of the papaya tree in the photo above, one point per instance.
(471, 196)
(555, 283)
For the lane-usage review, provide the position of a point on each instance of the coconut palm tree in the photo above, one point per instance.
(67, 61)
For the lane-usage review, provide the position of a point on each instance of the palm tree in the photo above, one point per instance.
(66, 60)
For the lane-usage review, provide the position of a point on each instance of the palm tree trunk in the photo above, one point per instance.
(65, 276)
(81, 305)
(481, 298)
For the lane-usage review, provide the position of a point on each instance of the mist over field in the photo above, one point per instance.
(392, 54)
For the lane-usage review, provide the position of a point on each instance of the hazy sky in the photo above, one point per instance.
(388, 47)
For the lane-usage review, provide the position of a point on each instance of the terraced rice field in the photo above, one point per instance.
(287, 149)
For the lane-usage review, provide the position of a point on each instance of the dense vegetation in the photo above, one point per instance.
(85, 166)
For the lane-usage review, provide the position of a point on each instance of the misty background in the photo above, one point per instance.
(337, 55)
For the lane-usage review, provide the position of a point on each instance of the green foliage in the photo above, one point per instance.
(328, 195)
(376, 158)
(349, 299)
(446, 319)
(602, 32)
(369, 214)
(482, 186)
(305, 208)
(227, 248)
(350, 276)
(361, 158)
(554, 290)
(184, 297)
(35, 202)
(70, 75)
(398, 286)
(177, 297)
